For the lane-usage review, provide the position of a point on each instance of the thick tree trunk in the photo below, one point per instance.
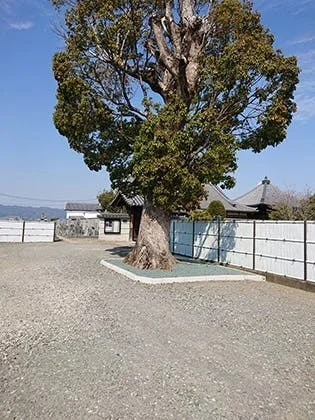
(152, 247)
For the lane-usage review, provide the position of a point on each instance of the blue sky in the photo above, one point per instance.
(36, 162)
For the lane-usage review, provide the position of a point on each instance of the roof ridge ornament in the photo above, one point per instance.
(265, 181)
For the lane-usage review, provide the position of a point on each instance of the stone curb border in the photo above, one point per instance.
(188, 279)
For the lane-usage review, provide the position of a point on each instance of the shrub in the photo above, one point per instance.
(199, 215)
(216, 208)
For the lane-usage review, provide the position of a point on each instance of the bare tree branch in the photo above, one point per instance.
(187, 10)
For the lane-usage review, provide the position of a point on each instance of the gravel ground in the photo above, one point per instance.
(78, 341)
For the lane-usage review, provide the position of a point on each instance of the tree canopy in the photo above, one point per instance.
(164, 93)
(105, 198)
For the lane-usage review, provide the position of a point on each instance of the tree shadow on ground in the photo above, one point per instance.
(120, 251)
(191, 260)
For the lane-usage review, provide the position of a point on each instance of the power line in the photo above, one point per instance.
(42, 199)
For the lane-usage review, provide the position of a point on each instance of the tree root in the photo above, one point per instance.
(144, 258)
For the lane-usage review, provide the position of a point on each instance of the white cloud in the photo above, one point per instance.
(304, 40)
(302, 46)
(307, 57)
(306, 108)
(305, 95)
(292, 6)
(6, 6)
(21, 26)
(14, 14)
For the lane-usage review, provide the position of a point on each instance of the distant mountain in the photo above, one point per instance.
(31, 213)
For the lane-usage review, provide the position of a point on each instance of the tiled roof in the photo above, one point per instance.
(82, 207)
(108, 215)
(215, 193)
(134, 201)
(264, 193)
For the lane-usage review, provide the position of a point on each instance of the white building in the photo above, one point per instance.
(114, 227)
(82, 210)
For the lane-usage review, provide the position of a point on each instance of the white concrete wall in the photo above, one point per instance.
(39, 232)
(11, 231)
(124, 235)
(19, 231)
(84, 214)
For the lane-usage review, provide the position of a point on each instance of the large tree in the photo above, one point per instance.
(164, 94)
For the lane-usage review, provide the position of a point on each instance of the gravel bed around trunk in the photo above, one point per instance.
(80, 341)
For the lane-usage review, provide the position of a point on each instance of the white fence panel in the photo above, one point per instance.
(311, 272)
(236, 244)
(19, 231)
(11, 231)
(280, 248)
(310, 251)
(274, 265)
(280, 229)
(39, 232)
(172, 232)
(183, 238)
(206, 241)
(267, 246)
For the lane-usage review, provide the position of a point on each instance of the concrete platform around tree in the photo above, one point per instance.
(183, 272)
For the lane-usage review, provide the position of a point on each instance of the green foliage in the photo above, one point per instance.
(164, 97)
(160, 153)
(216, 208)
(200, 215)
(105, 198)
(308, 206)
(90, 126)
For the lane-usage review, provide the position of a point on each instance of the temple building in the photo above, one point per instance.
(133, 207)
(263, 197)
(234, 209)
(256, 204)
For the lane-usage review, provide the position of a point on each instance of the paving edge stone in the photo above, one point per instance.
(188, 279)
